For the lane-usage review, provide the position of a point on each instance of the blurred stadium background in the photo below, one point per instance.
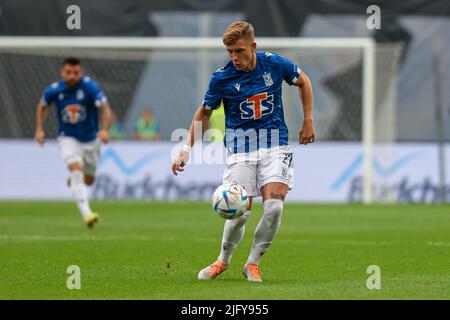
(411, 118)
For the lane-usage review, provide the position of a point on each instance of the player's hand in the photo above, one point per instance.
(103, 135)
(39, 136)
(179, 162)
(307, 133)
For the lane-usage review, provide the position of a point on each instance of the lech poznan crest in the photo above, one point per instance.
(267, 79)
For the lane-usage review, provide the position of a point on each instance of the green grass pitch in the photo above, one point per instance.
(146, 250)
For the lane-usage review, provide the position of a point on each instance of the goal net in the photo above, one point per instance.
(354, 82)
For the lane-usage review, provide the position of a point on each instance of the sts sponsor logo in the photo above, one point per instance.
(73, 113)
(257, 106)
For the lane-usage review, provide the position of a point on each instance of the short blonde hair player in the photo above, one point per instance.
(249, 86)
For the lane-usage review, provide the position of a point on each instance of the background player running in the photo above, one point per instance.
(259, 157)
(77, 99)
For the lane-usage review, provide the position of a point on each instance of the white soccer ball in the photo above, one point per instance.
(230, 201)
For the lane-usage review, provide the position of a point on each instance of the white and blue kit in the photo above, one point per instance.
(78, 123)
(256, 134)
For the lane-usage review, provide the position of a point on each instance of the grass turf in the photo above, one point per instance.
(145, 250)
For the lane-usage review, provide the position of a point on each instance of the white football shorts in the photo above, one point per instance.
(88, 153)
(255, 169)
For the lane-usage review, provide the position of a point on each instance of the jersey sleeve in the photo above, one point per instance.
(213, 96)
(48, 95)
(97, 94)
(291, 71)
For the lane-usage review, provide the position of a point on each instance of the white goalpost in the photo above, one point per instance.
(125, 46)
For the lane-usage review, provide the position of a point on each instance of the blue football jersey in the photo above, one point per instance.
(76, 108)
(252, 102)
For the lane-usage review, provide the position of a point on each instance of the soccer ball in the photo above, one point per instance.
(230, 201)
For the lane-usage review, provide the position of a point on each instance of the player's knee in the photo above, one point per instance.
(76, 166)
(273, 209)
(89, 180)
(243, 219)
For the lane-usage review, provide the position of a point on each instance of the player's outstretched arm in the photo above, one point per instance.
(105, 111)
(307, 131)
(198, 126)
(41, 114)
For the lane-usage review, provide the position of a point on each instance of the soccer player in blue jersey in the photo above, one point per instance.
(78, 101)
(258, 154)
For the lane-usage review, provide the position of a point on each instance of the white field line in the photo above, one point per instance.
(341, 242)
(5, 238)
(438, 243)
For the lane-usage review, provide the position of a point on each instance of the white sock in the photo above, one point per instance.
(233, 231)
(80, 192)
(266, 230)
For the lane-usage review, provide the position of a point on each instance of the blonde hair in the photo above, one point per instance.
(238, 30)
